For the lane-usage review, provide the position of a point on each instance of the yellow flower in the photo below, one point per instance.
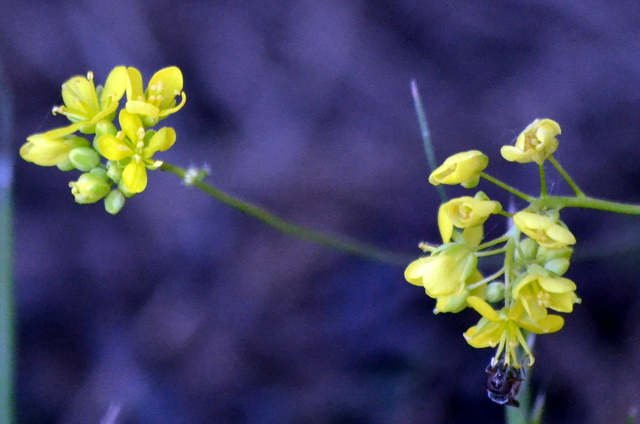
(458, 301)
(86, 106)
(464, 212)
(444, 272)
(538, 292)
(137, 146)
(535, 144)
(504, 329)
(52, 147)
(547, 232)
(462, 168)
(159, 100)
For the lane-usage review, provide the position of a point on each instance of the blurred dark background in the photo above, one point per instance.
(183, 310)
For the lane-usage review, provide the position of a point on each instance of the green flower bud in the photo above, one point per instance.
(529, 249)
(84, 158)
(495, 292)
(114, 202)
(105, 127)
(101, 172)
(66, 166)
(89, 188)
(558, 266)
(114, 171)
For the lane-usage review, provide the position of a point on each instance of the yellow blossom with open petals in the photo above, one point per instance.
(535, 144)
(539, 292)
(546, 231)
(444, 272)
(86, 105)
(504, 329)
(52, 147)
(464, 212)
(159, 99)
(462, 168)
(135, 147)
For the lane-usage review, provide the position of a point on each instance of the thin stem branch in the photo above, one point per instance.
(566, 177)
(337, 243)
(559, 202)
(507, 187)
(486, 280)
(543, 181)
(493, 242)
(491, 252)
(426, 137)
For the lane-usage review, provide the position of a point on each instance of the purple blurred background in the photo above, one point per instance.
(183, 310)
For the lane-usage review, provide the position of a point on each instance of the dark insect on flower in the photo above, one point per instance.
(503, 383)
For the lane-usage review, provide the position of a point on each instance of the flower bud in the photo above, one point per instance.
(66, 165)
(89, 188)
(84, 158)
(495, 292)
(528, 248)
(114, 202)
(558, 266)
(462, 168)
(114, 171)
(105, 127)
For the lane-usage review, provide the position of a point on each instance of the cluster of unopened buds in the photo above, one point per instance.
(521, 297)
(114, 163)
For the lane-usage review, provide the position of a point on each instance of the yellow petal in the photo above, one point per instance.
(115, 85)
(79, 95)
(483, 308)
(139, 107)
(485, 336)
(413, 273)
(444, 224)
(161, 141)
(113, 148)
(556, 284)
(135, 177)
(169, 81)
(131, 125)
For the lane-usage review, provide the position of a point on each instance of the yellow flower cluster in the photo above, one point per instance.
(516, 299)
(128, 152)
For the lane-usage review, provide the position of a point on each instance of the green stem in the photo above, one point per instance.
(426, 137)
(493, 242)
(507, 187)
(566, 177)
(7, 301)
(559, 202)
(486, 280)
(543, 181)
(491, 252)
(340, 244)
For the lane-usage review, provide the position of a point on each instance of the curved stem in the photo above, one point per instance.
(341, 244)
(566, 177)
(507, 187)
